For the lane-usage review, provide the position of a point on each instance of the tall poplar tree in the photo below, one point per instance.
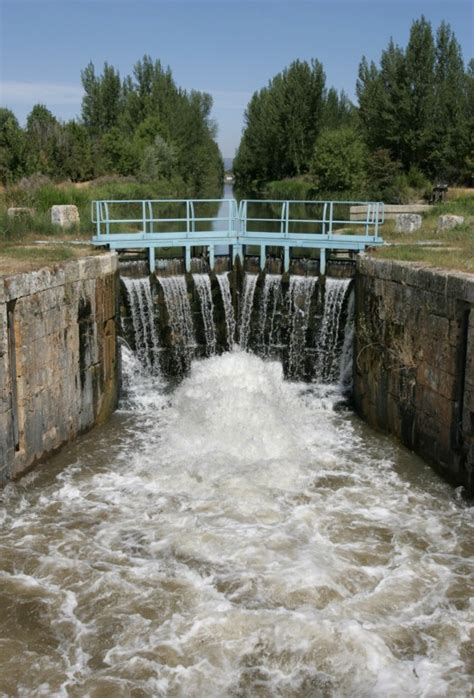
(415, 103)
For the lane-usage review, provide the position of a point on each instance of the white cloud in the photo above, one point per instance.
(44, 92)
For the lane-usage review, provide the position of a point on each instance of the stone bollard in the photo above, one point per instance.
(407, 222)
(447, 222)
(20, 212)
(65, 215)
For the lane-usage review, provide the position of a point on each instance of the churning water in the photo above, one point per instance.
(238, 536)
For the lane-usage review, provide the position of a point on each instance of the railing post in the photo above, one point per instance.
(187, 217)
(322, 261)
(243, 220)
(325, 208)
(193, 216)
(151, 259)
(331, 215)
(187, 258)
(97, 216)
(143, 216)
(150, 213)
(107, 223)
(286, 218)
(211, 257)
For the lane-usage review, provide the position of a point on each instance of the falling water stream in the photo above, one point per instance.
(328, 356)
(223, 281)
(235, 535)
(248, 292)
(299, 301)
(270, 299)
(144, 330)
(179, 314)
(203, 288)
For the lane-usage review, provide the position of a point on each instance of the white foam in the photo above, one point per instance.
(243, 538)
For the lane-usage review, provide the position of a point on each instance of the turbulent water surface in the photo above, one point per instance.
(237, 536)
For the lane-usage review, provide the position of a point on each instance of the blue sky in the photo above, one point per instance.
(229, 48)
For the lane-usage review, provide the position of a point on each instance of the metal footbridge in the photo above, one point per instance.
(222, 226)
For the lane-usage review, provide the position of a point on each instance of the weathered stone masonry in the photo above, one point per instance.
(58, 357)
(414, 360)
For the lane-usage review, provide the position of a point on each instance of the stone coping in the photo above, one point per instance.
(13, 286)
(444, 281)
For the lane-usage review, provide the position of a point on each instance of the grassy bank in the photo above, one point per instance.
(450, 249)
(40, 197)
(21, 257)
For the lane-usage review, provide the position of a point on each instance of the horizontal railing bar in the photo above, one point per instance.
(162, 201)
(311, 202)
(159, 220)
(309, 220)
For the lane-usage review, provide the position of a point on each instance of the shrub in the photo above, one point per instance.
(339, 162)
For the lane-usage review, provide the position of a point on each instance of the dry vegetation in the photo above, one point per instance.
(30, 256)
(450, 249)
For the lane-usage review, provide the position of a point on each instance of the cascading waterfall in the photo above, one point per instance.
(142, 314)
(180, 318)
(248, 292)
(300, 294)
(223, 281)
(269, 302)
(289, 325)
(347, 353)
(202, 283)
(329, 347)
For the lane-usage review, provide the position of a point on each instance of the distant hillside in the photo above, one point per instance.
(228, 162)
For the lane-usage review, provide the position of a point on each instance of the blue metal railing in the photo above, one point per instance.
(162, 223)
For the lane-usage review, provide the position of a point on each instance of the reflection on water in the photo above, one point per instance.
(236, 536)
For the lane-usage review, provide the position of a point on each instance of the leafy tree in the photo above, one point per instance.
(75, 152)
(116, 154)
(416, 104)
(12, 147)
(338, 110)
(282, 122)
(451, 111)
(102, 101)
(468, 162)
(159, 161)
(340, 160)
(382, 173)
(42, 140)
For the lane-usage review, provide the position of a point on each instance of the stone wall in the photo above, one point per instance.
(414, 360)
(58, 357)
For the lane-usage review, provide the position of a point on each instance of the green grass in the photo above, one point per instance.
(454, 248)
(43, 197)
(46, 253)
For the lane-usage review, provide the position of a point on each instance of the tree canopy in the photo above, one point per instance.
(414, 119)
(415, 104)
(143, 125)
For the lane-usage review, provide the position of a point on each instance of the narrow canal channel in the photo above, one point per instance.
(237, 535)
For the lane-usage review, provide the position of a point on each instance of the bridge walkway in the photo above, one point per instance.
(223, 225)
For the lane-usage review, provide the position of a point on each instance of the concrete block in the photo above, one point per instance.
(407, 222)
(65, 216)
(447, 222)
(20, 212)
